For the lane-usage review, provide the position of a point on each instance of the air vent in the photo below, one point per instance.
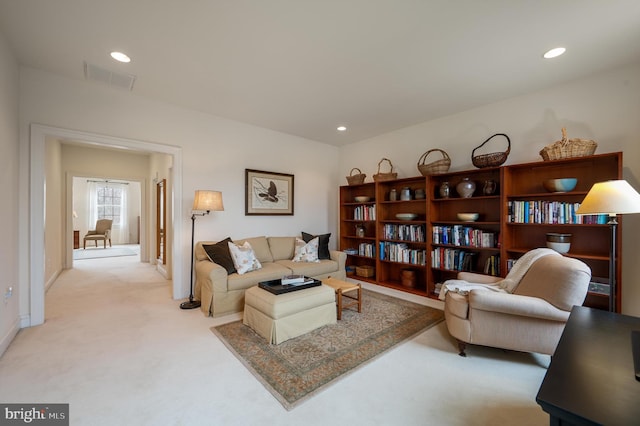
(101, 75)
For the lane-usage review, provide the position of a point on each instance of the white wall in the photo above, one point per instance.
(215, 153)
(604, 107)
(9, 156)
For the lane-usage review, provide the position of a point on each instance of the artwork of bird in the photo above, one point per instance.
(271, 193)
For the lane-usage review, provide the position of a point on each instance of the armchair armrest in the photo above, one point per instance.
(107, 233)
(473, 277)
(515, 304)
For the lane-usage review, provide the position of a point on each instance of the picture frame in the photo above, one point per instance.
(268, 193)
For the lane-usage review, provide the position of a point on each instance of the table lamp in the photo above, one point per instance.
(203, 202)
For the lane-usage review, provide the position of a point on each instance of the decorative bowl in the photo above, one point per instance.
(560, 185)
(362, 199)
(559, 242)
(468, 217)
(406, 216)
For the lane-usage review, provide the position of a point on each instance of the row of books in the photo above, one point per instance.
(415, 233)
(554, 212)
(453, 259)
(461, 235)
(400, 252)
(367, 249)
(492, 265)
(364, 213)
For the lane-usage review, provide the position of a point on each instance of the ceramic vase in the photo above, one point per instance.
(466, 188)
(444, 190)
(405, 193)
(489, 187)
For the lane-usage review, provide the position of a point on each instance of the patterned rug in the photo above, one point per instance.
(296, 369)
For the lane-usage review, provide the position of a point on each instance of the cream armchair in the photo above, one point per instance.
(102, 232)
(531, 318)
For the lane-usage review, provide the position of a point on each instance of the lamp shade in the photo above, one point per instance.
(611, 197)
(208, 201)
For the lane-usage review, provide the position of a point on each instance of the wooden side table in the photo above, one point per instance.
(342, 287)
(76, 240)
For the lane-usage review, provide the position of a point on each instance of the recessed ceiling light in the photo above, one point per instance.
(342, 129)
(555, 52)
(120, 57)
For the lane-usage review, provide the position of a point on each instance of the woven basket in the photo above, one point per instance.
(381, 177)
(491, 160)
(356, 179)
(568, 148)
(365, 271)
(436, 167)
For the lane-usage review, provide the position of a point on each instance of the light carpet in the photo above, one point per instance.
(298, 368)
(120, 351)
(100, 252)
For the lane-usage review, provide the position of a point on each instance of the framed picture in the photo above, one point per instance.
(268, 193)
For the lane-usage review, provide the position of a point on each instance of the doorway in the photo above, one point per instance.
(36, 250)
(119, 200)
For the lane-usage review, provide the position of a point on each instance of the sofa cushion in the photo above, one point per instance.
(269, 271)
(323, 245)
(281, 247)
(219, 253)
(244, 258)
(310, 269)
(306, 252)
(260, 247)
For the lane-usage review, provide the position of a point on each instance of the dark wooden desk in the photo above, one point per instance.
(591, 378)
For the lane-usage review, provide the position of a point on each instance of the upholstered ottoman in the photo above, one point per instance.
(282, 317)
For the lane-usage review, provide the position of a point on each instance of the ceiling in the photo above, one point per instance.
(304, 67)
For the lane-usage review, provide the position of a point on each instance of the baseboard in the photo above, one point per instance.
(162, 270)
(51, 280)
(11, 334)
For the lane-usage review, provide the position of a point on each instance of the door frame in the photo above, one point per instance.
(38, 137)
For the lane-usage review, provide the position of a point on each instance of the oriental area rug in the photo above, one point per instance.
(297, 369)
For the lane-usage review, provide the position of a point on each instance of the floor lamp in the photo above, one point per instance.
(204, 202)
(612, 197)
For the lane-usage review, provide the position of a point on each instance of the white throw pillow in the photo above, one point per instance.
(306, 252)
(244, 259)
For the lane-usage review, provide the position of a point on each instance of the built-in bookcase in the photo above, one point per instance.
(514, 216)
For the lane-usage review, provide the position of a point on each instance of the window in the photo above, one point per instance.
(109, 203)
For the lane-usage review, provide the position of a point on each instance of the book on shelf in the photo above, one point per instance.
(414, 233)
(400, 252)
(453, 259)
(462, 235)
(550, 212)
(492, 265)
(364, 213)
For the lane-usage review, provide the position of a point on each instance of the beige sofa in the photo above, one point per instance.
(221, 293)
(531, 319)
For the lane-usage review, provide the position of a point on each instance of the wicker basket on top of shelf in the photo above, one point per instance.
(435, 167)
(568, 148)
(356, 179)
(381, 177)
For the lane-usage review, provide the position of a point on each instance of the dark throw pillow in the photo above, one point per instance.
(219, 253)
(323, 244)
